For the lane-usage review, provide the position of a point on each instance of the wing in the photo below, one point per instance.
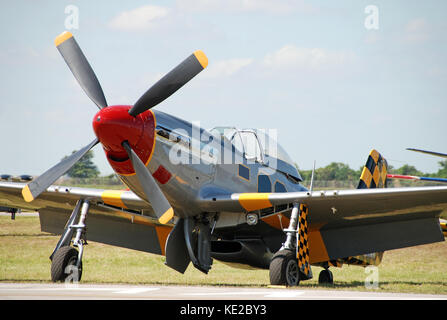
(345, 223)
(406, 177)
(433, 153)
(115, 217)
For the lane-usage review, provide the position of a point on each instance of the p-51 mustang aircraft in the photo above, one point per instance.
(197, 195)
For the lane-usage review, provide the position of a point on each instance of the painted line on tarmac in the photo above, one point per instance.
(75, 287)
(136, 290)
(266, 294)
(284, 294)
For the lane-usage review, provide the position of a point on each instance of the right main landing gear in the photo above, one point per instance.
(64, 267)
(66, 261)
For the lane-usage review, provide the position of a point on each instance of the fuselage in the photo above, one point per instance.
(186, 160)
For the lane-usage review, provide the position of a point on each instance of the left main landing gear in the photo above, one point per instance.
(284, 269)
(291, 263)
(66, 261)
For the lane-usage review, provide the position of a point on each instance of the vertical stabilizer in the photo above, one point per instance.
(374, 172)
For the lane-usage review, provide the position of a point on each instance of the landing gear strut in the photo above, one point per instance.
(66, 261)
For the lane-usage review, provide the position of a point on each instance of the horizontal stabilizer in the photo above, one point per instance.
(406, 177)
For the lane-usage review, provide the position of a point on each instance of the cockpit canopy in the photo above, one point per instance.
(261, 146)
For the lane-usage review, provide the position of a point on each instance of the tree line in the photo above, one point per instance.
(337, 171)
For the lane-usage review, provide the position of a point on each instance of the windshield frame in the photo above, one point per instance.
(280, 161)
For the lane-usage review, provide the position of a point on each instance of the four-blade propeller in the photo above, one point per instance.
(84, 74)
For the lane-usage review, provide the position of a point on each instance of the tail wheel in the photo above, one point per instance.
(326, 277)
(284, 269)
(63, 265)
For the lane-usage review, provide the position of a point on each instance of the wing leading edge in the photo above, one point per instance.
(115, 217)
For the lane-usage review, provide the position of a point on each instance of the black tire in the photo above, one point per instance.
(284, 269)
(325, 277)
(64, 264)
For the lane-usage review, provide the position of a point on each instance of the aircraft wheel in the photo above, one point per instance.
(325, 277)
(284, 269)
(63, 266)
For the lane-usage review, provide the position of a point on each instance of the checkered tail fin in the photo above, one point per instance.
(373, 176)
(374, 172)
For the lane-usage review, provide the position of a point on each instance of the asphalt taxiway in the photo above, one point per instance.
(39, 291)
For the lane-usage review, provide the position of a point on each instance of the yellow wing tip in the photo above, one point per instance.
(64, 36)
(168, 215)
(201, 57)
(26, 193)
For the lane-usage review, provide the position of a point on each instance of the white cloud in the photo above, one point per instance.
(416, 25)
(416, 31)
(226, 68)
(313, 59)
(140, 19)
(372, 37)
(244, 6)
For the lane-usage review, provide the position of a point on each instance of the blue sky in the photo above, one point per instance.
(310, 69)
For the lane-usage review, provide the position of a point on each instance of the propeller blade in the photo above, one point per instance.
(160, 204)
(171, 82)
(33, 189)
(81, 69)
